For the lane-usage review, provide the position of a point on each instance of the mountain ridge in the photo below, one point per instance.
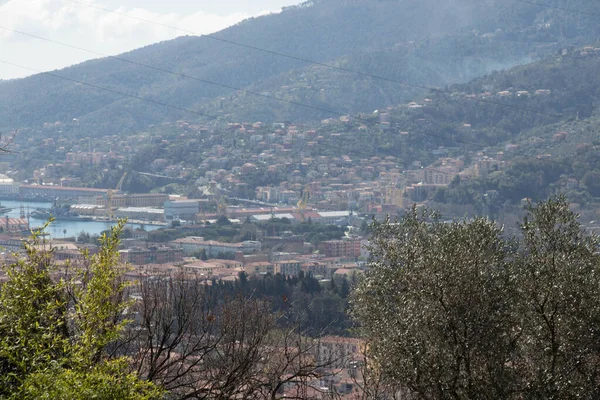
(367, 36)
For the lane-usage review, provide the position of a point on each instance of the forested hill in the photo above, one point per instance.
(425, 42)
(540, 121)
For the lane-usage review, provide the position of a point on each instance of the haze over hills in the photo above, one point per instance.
(536, 124)
(421, 42)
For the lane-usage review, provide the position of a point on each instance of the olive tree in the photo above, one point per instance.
(557, 276)
(435, 306)
(457, 310)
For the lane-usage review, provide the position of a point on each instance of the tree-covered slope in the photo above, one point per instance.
(319, 32)
(543, 118)
(420, 42)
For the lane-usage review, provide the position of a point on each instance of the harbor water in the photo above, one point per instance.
(60, 229)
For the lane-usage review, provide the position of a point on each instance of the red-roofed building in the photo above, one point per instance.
(152, 255)
(341, 248)
(14, 224)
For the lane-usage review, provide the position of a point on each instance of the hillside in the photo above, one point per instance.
(526, 132)
(320, 32)
(542, 118)
(421, 42)
(516, 34)
(442, 62)
(537, 123)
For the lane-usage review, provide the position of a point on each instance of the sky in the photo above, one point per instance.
(80, 25)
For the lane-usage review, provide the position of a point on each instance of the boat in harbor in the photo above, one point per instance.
(59, 214)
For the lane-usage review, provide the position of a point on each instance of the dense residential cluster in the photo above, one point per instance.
(287, 154)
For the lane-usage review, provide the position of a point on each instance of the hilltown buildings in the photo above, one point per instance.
(152, 255)
(350, 247)
(14, 225)
(133, 200)
(194, 245)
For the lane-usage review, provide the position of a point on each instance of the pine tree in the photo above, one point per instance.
(55, 327)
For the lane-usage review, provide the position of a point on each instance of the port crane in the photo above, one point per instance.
(109, 204)
(303, 202)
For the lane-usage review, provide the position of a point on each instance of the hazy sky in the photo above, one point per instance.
(83, 26)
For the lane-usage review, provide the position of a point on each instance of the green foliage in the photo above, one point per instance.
(435, 300)
(107, 381)
(557, 277)
(33, 323)
(312, 308)
(225, 231)
(56, 325)
(100, 301)
(223, 221)
(165, 235)
(313, 233)
(457, 310)
(591, 180)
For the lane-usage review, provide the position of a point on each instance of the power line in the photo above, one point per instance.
(219, 118)
(318, 63)
(321, 109)
(111, 90)
(118, 92)
(509, 106)
(251, 47)
(338, 146)
(572, 10)
(182, 75)
(228, 86)
(124, 94)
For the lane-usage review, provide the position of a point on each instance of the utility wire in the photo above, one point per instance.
(322, 64)
(221, 85)
(321, 109)
(518, 108)
(572, 10)
(159, 103)
(347, 70)
(182, 75)
(124, 94)
(118, 92)
(218, 118)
